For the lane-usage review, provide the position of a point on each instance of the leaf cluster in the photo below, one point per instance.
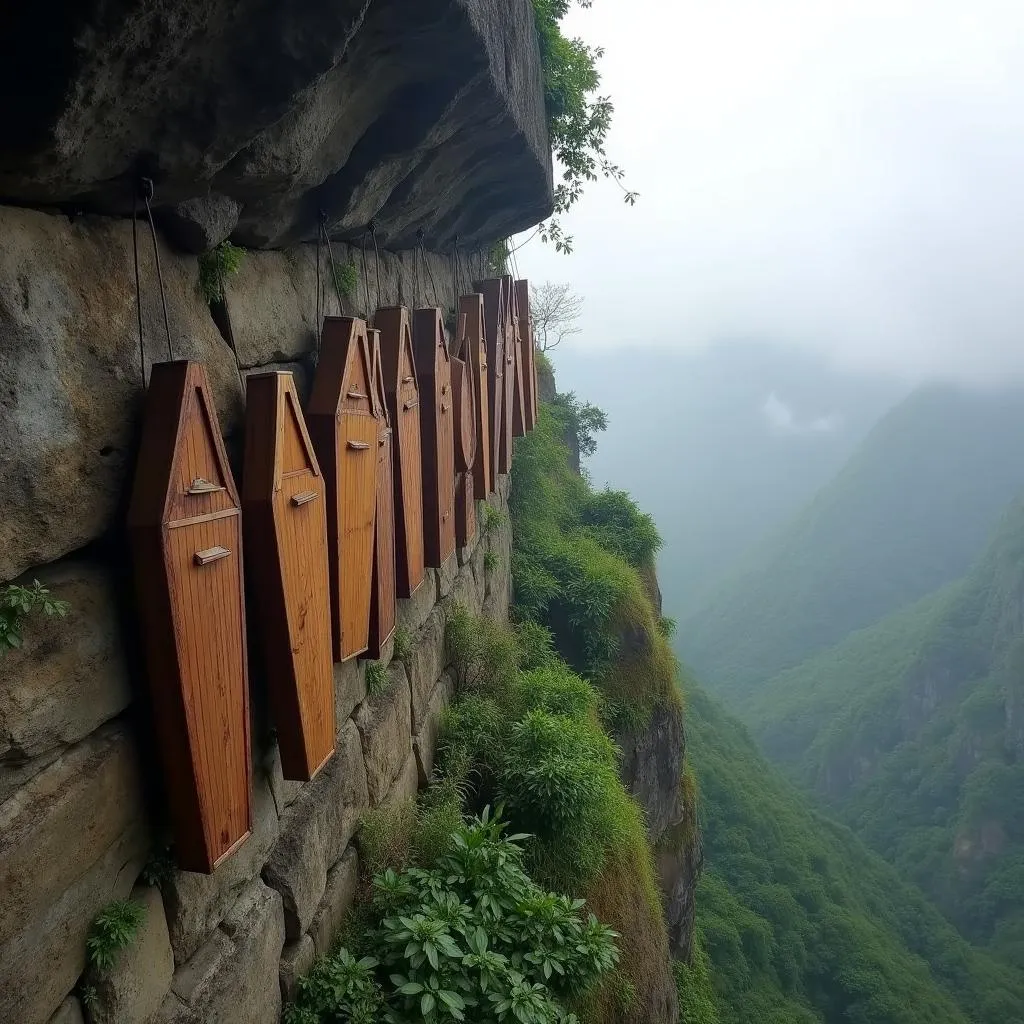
(17, 603)
(111, 931)
(216, 265)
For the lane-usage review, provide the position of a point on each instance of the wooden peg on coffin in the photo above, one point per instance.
(401, 391)
(465, 442)
(474, 352)
(433, 369)
(527, 354)
(345, 433)
(383, 607)
(185, 531)
(284, 502)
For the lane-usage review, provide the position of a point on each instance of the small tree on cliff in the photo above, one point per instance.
(555, 311)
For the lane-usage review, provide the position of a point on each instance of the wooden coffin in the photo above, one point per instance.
(527, 353)
(345, 434)
(284, 501)
(401, 391)
(433, 369)
(465, 450)
(185, 530)
(493, 292)
(508, 400)
(517, 331)
(474, 352)
(383, 606)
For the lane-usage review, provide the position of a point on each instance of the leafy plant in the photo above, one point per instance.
(492, 519)
(346, 280)
(215, 267)
(483, 653)
(578, 119)
(403, 643)
(338, 988)
(17, 603)
(376, 678)
(159, 868)
(111, 931)
(87, 996)
(490, 561)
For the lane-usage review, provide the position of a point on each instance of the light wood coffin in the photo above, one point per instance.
(401, 391)
(433, 369)
(383, 608)
(284, 502)
(465, 451)
(344, 432)
(529, 356)
(186, 537)
(474, 352)
(493, 292)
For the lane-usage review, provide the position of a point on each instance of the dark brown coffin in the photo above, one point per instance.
(345, 433)
(528, 353)
(285, 506)
(433, 369)
(493, 292)
(185, 528)
(474, 352)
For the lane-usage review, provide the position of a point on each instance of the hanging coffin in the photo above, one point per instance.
(186, 537)
(509, 398)
(345, 435)
(286, 539)
(433, 369)
(401, 391)
(383, 609)
(517, 330)
(528, 356)
(465, 451)
(474, 352)
(493, 292)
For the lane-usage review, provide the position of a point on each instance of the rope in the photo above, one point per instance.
(334, 271)
(433, 287)
(318, 322)
(418, 263)
(455, 284)
(138, 283)
(147, 193)
(376, 259)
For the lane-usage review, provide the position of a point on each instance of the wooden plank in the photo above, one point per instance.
(465, 509)
(433, 369)
(528, 354)
(464, 416)
(344, 432)
(284, 505)
(475, 353)
(516, 331)
(192, 613)
(508, 399)
(493, 292)
(401, 390)
(383, 606)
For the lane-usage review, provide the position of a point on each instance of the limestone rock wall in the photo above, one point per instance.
(80, 796)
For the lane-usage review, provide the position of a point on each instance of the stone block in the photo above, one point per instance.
(468, 590)
(68, 677)
(349, 689)
(196, 904)
(70, 382)
(284, 791)
(199, 224)
(69, 1012)
(233, 977)
(424, 742)
(446, 576)
(426, 663)
(385, 728)
(174, 1010)
(413, 611)
(132, 991)
(72, 840)
(315, 830)
(296, 960)
(406, 785)
(342, 881)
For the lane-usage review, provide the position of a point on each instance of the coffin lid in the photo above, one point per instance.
(428, 341)
(273, 395)
(378, 397)
(343, 341)
(180, 427)
(395, 334)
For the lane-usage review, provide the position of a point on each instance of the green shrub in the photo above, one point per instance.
(111, 931)
(17, 603)
(346, 280)
(492, 519)
(483, 653)
(403, 643)
(536, 643)
(697, 1003)
(159, 868)
(614, 520)
(215, 267)
(376, 678)
(473, 939)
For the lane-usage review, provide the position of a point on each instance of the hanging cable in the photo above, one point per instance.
(430, 274)
(418, 258)
(147, 194)
(366, 277)
(334, 271)
(376, 260)
(318, 322)
(138, 283)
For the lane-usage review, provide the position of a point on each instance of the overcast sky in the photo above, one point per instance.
(845, 176)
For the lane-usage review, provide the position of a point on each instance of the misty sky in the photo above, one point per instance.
(838, 175)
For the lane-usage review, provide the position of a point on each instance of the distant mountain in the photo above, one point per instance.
(913, 731)
(803, 924)
(906, 515)
(720, 445)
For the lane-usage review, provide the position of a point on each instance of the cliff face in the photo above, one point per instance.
(253, 117)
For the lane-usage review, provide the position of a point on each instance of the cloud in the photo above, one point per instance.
(842, 177)
(783, 420)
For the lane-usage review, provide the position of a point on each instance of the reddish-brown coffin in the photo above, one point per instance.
(526, 350)
(509, 399)
(465, 450)
(493, 292)
(344, 432)
(474, 352)
(286, 539)
(517, 331)
(433, 368)
(402, 393)
(186, 537)
(382, 600)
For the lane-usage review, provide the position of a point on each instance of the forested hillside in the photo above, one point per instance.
(912, 731)
(802, 923)
(906, 515)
